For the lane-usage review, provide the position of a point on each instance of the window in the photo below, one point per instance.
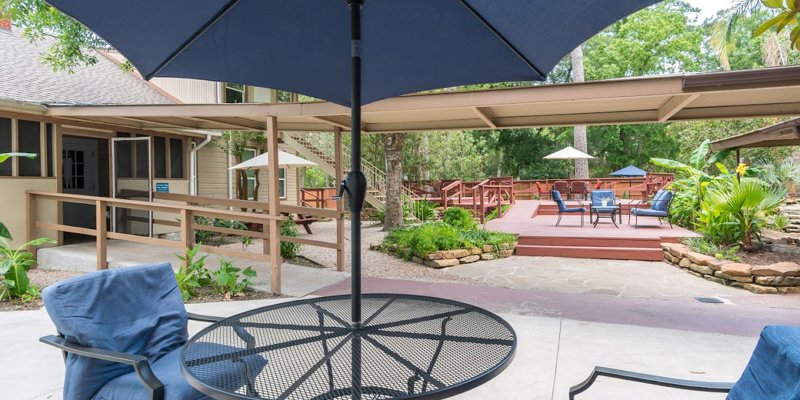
(251, 174)
(282, 183)
(30, 141)
(176, 158)
(160, 156)
(5, 145)
(234, 93)
(49, 149)
(124, 156)
(74, 169)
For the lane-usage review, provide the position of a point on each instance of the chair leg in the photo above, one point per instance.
(582, 218)
(559, 219)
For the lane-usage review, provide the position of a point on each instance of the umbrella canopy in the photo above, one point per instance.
(630, 170)
(284, 159)
(303, 46)
(567, 153)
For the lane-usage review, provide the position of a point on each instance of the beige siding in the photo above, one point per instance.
(212, 171)
(191, 91)
(13, 206)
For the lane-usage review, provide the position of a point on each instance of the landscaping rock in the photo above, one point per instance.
(778, 269)
(778, 280)
(451, 254)
(737, 278)
(505, 253)
(417, 260)
(697, 274)
(760, 289)
(703, 269)
(487, 248)
(488, 256)
(789, 289)
(504, 246)
(469, 259)
(715, 279)
(434, 256)
(375, 245)
(475, 251)
(717, 264)
(452, 262)
(676, 249)
(685, 263)
(736, 269)
(699, 259)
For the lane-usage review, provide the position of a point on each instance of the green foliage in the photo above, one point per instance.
(704, 246)
(785, 175)
(315, 177)
(787, 17)
(4, 232)
(192, 273)
(14, 266)
(779, 222)
(745, 204)
(226, 279)
(421, 209)
(459, 218)
(493, 214)
(428, 238)
(289, 249)
(214, 238)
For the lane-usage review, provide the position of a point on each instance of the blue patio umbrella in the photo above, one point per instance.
(350, 52)
(630, 170)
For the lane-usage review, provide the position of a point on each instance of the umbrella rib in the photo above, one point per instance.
(206, 26)
(503, 39)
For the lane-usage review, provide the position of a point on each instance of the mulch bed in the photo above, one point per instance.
(766, 257)
(209, 295)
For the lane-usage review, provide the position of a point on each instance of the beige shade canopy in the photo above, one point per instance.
(284, 160)
(567, 153)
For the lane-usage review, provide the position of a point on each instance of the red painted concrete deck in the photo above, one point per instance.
(540, 237)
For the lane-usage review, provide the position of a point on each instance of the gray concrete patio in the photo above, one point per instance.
(553, 354)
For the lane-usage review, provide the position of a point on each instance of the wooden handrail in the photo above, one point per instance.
(248, 204)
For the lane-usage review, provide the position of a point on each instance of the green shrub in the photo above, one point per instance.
(705, 246)
(434, 236)
(193, 273)
(14, 266)
(779, 222)
(289, 249)
(226, 280)
(459, 218)
(422, 210)
(493, 214)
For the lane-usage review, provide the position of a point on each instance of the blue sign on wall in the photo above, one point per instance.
(162, 187)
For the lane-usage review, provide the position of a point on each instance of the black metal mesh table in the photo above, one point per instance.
(408, 347)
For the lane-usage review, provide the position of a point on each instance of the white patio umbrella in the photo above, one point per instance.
(284, 159)
(567, 153)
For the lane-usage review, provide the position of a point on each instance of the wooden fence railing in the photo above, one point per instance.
(184, 218)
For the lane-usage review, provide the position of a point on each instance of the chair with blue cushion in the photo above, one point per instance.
(612, 208)
(772, 373)
(659, 208)
(562, 206)
(121, 332)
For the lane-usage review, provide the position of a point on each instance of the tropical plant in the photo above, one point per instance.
(214, 238)
(433, 236)
(225, 280)
(787, 17)
(14, 266)
(289, 249)
(422, 210)
(459, 218)
(779, 222)
(747, 204)
(192, 273)
(784, 175)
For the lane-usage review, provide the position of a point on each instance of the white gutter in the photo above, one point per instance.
(220, 91)
(193, 185)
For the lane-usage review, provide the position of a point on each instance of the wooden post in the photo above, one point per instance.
(482, 211)
(274, 202)
(187, 231)
(337, 151)
(57, 171)
(100, 234)
(30, 221)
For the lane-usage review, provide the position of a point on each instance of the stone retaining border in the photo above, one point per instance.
(781, 277)
(451, 258)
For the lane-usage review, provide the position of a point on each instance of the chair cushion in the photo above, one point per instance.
(573, 210)
(645, 212)
(556, 196)
(168, 370)
(662, 204)
(773, 370)
(599, 195)
(136, 310)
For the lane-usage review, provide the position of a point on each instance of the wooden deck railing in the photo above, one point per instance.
(184, 219)
(318, 197)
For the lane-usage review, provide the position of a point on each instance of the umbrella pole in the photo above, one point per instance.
(356, 180)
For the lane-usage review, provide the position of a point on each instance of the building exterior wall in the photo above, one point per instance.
(212, 171)
(13, 206)
(189, 91)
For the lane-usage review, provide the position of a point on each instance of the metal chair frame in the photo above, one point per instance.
(684, 384)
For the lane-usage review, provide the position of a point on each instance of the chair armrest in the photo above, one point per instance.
(204, 318)
(700, 386)
(139, 363)
(240, 331)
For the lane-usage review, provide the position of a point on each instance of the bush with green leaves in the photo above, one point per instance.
(214, 238)
(420, 209)
(703, 245)
(493, 214)
(226, 280)
(459, 218)
(192, 273)
(289, 249)
(431, 237)
(14, 266)
(745, 204)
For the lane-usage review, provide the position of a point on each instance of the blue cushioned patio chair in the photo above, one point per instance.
(659, 208)
(121, 332)
(562, 206)
(612, 207)
(772, 373)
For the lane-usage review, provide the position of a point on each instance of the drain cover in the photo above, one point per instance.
(712, 300)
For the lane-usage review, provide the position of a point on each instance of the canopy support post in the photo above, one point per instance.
(273, 201)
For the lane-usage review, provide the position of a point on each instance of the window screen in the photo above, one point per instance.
(176, 158)
(160, 156)
(5, 145)
(141, 159)
(49, 151)
(30, 142)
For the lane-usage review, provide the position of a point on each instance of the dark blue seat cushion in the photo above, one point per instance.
(646, 212)
(573, 210)
(136, 310)
(599, 195)
(773, 372)
(662, 203)
(167, 369)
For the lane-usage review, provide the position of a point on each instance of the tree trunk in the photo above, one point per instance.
(393, 151)
(425, 173)
(579, 137)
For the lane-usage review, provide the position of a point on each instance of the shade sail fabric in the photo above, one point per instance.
(284, 160)
(304, 46)
(567, 153)
(630, 170)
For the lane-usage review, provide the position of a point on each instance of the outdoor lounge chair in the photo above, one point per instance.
(612, 208)
(122, 332)
(562, 207)
(562, 187)
(579, 188)
(659, 208)
(772, 372)
(542, 193)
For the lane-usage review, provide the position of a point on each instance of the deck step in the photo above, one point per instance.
(614, 253)
(593, 241)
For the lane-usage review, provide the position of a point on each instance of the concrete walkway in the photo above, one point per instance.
(296, 280)
(553, 354)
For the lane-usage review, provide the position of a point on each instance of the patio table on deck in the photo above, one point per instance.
(408, 347)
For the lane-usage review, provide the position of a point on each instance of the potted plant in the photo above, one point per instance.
(604, 201)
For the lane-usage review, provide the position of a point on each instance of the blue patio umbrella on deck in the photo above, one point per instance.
(350, 52)
(630, 170)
